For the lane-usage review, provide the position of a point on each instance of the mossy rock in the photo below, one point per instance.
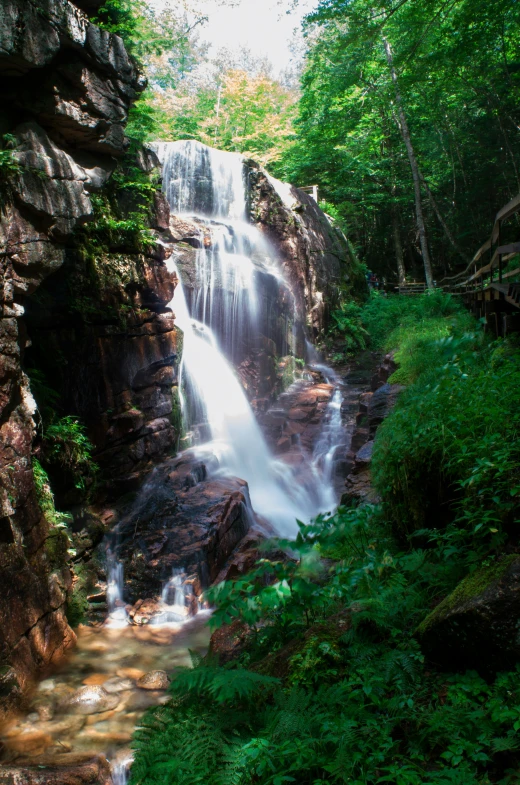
(478, 624)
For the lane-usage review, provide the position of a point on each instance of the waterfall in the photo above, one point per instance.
(176, 600)
(117, 615)
(221, 320)
(237, 439)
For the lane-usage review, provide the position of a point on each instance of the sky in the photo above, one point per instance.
(263, 26)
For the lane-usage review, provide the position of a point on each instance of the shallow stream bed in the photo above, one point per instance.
(93, 702)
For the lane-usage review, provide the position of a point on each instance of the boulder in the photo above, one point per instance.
(63, 769)
(185, 519)
(91, 699)
(476, 626)
(154, 680)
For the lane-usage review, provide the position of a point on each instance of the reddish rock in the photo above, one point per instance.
(184, 520)
(63, 769)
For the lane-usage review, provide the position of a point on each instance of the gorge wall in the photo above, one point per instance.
(85, 295)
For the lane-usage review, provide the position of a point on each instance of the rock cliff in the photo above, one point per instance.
(85, 295)
(66, 88)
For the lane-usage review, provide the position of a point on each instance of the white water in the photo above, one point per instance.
(176, 600)
(237, 440)
(117, 615)
(208, 183)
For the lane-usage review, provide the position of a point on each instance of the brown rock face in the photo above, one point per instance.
(65, 88)
(61, 770)
(315, 254)
(185, 521)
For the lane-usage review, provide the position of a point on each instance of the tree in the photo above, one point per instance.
(456, 69)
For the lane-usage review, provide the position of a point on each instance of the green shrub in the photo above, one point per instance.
(346, 322)
(358, 706)
(65, 444)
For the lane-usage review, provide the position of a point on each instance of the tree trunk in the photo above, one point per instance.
(442, 222)
(398, 247)
(405, 132)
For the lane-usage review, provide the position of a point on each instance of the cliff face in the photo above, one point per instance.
(314, 254)
(66, 88)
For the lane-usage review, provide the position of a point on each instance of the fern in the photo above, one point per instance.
(222, 685)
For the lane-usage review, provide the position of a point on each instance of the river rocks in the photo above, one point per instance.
(59, 770)
(154, 680)
(476, 626)
(90, 699)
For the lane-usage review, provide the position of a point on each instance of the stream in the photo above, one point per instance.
(95, 700)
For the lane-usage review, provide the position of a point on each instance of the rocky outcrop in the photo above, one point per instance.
(60, 770)
(186, 520)
(476, 626)
(314, 253)
(66, 88)
(373, 408)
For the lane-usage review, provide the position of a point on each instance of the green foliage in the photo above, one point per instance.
(456, 64)
(356, 703)
(347, 323)
(57, 543)
(448, 455)
(65, 444)
(8, 163)
(221, 685)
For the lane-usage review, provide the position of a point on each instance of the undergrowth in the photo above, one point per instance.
(331, 684)
(353, 704)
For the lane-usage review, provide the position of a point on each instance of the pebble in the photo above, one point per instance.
(117, 684)
(89, 700)
(154, 680)
(47, 685)
(96, 679)
(32, 743)
(94, 719)
(130, 673)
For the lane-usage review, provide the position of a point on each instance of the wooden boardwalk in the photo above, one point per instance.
(487, 286)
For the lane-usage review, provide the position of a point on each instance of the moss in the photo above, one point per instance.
(176, 415)
(472, 586)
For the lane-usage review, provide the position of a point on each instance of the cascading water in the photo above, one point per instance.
(236, 436)
(117, 614)
(209, 184)
(176, 600)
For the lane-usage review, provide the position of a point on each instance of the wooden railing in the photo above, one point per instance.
(487, 287)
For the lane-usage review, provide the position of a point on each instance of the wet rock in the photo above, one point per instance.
(29, 742)
(476, 626)
(81, 82)
(130, 673)
(66, 769)
(116, 684)
(144, 610)
(311, 248)
(381, 403)
(154, 680)
(185, 520)
(89, 700)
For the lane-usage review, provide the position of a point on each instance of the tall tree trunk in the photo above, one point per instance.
(405, 132)
(442, 222)
(398, 247)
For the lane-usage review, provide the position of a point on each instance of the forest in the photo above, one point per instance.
(259, 455)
